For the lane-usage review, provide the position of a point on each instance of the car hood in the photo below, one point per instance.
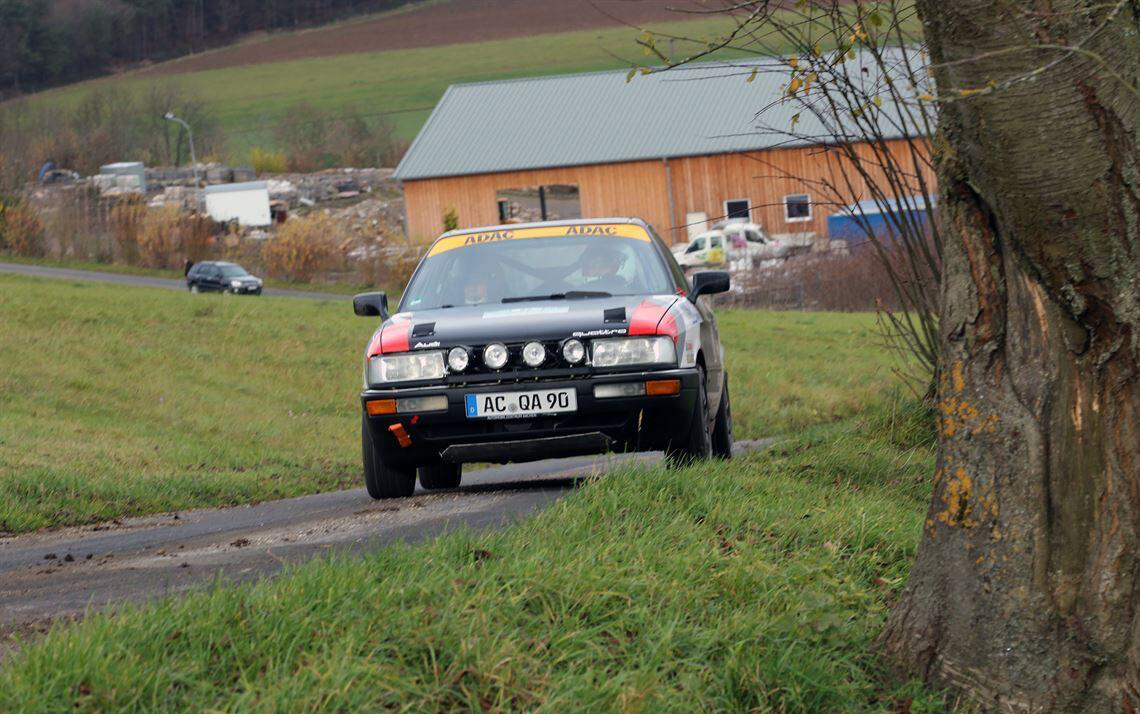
(521, 321)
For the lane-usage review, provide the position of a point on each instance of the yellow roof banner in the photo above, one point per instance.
(616, 230)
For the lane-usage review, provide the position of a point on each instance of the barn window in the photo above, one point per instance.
(737, 208)
(797, 208)
(538, 203)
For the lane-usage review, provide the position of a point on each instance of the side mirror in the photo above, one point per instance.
(708, 282)
(371, 305)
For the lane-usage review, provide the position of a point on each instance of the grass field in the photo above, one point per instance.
(119, 401)
(755, 588)
(171, 274)
(250, 101)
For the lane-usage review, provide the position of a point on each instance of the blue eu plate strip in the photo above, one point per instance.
(472, 407)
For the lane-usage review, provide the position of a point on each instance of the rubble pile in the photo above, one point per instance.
(184, 197)
(331, 185)
(211, 174)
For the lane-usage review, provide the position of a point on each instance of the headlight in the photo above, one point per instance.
(534, 354)
(235, 283)
(405, 367)
(495, 355)
(573, 351)
(634, 350)
(458, 359)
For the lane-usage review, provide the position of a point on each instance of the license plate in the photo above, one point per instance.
(521, 404)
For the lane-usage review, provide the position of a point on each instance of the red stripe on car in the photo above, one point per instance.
(394, 337)
(650, 318)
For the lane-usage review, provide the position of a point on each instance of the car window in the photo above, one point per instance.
(754, 237)
(698, 244)
(716, 242)
(231, 271)
(511, 269)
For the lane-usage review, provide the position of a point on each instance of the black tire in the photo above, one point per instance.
(697, 445)
(383, 480)
(722, 428)
(441, 475)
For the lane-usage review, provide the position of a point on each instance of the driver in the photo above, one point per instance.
(478, 281)
(601, 263)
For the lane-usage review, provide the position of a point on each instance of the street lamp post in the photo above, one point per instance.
(169, 116)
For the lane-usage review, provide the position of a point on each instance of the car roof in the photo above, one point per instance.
(741, 225)
(713, 232)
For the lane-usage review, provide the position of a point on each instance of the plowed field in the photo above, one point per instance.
(435, 24)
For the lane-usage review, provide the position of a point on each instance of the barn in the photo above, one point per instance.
(680, 149)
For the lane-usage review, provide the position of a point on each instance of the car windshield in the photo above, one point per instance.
(559, 267)
(232, 271)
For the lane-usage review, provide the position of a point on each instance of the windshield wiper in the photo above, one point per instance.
(569, 295)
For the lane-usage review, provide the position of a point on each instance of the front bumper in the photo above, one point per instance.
(245, 290)
(640, 423)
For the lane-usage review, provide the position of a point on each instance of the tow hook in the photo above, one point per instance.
(401, 435)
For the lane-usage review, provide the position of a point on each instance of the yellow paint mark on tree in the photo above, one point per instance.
(958, 377)
(966, 504)
(956, 414)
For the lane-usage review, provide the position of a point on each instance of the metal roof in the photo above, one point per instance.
(600, 117)
(230, 187)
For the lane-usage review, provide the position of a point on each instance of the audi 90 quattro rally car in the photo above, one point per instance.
(537, 341)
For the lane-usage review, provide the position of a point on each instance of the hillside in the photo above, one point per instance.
(247, 103)
(434, 24)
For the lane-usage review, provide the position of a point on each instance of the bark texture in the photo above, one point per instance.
(1025, 594)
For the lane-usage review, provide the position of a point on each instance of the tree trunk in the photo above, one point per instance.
(1024, 595)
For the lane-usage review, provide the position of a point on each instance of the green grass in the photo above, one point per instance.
(756, 588)
(250, 101)
(119, 401)
(95, 266)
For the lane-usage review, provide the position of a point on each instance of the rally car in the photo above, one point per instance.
(536, 341)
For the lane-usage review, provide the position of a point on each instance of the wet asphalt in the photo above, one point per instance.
(66, 572)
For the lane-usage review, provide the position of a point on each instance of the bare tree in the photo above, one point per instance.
(854, 88)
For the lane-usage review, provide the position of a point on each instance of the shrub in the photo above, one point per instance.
(302, 248)
(316, 139)
(126, 224)
(450, 219)
(21, 230)
(266, 161)
(167, 237)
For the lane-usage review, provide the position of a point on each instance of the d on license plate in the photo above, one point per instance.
(521, 404)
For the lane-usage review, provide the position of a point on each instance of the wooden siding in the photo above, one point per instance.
(699, 184)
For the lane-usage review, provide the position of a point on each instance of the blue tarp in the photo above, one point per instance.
(851, 223)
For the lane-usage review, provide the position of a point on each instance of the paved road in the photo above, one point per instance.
(44, 271)
(60, 573)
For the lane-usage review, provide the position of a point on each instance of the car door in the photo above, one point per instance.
(716, 254)
(713, 352)
(695, 254)
(213, 279)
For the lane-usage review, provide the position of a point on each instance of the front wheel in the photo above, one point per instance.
(383, 480)
(439, 476)
(697, 445)
(722, 428)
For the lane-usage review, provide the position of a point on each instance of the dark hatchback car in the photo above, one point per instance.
(219, 277)
(537, 341)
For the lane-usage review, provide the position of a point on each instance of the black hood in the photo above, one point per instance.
(520, 321)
